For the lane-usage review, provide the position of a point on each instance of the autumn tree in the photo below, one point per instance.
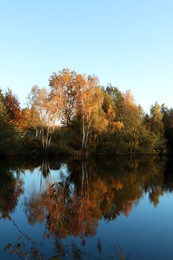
(89, 107)
(77, 98)
(132, 122)
(35, 120)
(156, 116)
(44, 114)
(155, 123)
(62, 94)
(3, 121)
(167, 120)
(118, 101)
(2, 106)
(13, 109)
(128, 119)
(9, 133)
(137, 134)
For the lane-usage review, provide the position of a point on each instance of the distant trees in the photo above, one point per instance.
(90, 118)
(135, 135)
(141, 133)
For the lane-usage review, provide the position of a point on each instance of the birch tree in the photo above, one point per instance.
(62, 94)
(76, 95)
(88, 103)
(45, 107)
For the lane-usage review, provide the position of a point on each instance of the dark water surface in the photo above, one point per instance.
(102, 209)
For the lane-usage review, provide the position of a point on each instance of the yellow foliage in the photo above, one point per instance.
(118, 185)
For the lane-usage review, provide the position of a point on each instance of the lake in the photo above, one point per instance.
(112, 208)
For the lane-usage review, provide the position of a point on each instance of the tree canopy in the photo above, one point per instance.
(75, 115)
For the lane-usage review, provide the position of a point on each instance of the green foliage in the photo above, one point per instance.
(118, 100)
(168, 127)
(92, 119)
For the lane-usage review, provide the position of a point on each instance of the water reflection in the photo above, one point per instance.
(11, 188)
(83, 193)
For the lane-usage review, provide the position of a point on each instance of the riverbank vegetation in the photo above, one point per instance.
(77, 116)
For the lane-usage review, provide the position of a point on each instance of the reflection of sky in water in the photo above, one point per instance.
(33, 180)
(8, 231)
(146, 233)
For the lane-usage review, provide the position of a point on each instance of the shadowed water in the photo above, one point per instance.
(95, 209)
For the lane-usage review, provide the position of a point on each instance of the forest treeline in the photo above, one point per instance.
(75, 116)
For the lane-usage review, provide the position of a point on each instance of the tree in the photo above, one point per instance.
(3, 121)
(118, 101)
(128, 119)
(45, 108)
(89, 107)
(168, 127)
(35, 120)
(78, 100)
(157, 128)
(13, 109)
(9, 133)
(3, 111)
(156, 116)
(62, 94)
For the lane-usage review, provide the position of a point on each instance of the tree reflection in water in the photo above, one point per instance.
(89, 192)
(11, 188)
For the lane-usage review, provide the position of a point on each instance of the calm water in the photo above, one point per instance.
(86, 209)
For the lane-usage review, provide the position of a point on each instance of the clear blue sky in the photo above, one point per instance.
(128, 43)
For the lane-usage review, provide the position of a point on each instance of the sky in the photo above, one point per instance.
(128, 43)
